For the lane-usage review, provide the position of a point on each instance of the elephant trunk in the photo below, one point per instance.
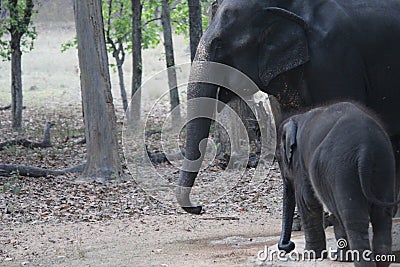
(287, 217)
(200, 110)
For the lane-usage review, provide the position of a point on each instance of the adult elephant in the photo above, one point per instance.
(305, 53)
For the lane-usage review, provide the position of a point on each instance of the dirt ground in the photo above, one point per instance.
(166, 240)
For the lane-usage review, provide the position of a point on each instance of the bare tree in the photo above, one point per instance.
(169, 55)
(195, 25)
(136, 60)
(100, 122)
(20, 20)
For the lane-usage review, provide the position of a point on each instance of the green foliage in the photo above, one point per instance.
(19, 23)
(117, 16)
(180, 16)
(118, 21)
(5, 47)
(206, 9)
(151, 24)
(69, 44)
(120, 18)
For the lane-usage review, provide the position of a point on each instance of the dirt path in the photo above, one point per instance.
(174, 240)
(167, 240)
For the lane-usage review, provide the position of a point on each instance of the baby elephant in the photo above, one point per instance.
(339, 157)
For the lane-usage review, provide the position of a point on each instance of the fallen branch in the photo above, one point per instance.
(22, 170)
(223, 218)
(5, 107)
(161, 157)
(9, 107)
(81, 142)
(31, 144)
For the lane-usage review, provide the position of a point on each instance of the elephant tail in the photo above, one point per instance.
(365, 182)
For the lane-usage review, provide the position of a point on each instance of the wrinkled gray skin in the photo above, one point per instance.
(293, 48)
(340, 157)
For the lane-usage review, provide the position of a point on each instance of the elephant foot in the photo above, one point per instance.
(311, 254)
(193, 210)
(342, 256)
(315, 250)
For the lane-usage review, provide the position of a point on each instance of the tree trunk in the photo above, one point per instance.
(136, 60)
(122, 84)
(169, 55)
(195, 25)
(20, 22)
(100, 121)
(16, 82)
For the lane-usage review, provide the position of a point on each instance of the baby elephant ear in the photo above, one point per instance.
(290, 132)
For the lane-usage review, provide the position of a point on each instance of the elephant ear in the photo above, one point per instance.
(284, 44)
(289, 133)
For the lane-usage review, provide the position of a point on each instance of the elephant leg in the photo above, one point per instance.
(340, 235)
(356, 223)
(311, 212)
(381, 220)
(396, 149)
(352, 210)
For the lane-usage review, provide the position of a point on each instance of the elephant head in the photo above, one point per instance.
(260, 39)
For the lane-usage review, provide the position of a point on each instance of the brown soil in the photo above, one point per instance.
(174, 240)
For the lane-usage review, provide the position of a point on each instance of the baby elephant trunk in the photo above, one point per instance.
(287, 217)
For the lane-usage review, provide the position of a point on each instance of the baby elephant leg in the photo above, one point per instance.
(381, 220)
(342, 241)
(356, 223)
(311, 212)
